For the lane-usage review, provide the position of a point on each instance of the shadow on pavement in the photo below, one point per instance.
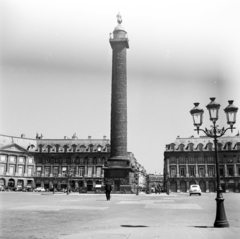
(133, 226)
(202, 226)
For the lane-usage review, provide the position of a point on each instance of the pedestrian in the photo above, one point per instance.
(108, 189)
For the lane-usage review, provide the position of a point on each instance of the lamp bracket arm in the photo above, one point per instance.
(206, 132)
(223, 131)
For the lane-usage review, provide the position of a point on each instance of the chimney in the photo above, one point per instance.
(22, 135)
(89, 137)
(65, 137)
(104, 137)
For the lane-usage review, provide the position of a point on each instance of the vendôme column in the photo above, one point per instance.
(118, 166)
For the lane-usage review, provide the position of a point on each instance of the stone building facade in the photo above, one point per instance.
(192, 161)
(45, 162)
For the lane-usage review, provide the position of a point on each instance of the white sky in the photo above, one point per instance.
(55, 69)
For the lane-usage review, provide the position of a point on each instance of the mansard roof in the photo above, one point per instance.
(202, 140)
(33, 144)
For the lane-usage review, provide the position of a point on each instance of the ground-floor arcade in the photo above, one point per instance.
(206, 185)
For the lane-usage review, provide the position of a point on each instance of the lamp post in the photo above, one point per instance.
(215, 133)
(55, 175)
(69, 175)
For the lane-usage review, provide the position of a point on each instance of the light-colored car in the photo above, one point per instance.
(40, 189)
(195, 189)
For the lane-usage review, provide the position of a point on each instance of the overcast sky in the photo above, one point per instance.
(55, 69)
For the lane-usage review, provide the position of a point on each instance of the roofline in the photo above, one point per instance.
(52, 139)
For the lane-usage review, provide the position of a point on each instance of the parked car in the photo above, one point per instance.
(2, 188)
(17, 189)
(39, 189)
(28, 189)
(195, 189)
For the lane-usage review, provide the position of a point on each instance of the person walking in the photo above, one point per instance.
(108, 189)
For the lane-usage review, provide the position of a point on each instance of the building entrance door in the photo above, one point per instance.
(11, 183)
(173, 186)
(212, 187)
(183, 186)
(202, 185)
(231, 187)
(89, 185)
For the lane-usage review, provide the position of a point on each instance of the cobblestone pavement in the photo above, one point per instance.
(84, 216)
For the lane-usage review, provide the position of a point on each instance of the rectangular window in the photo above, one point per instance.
(210, 171)
(99, 171)
(81, 161)
(99, 160)
(2, 169)
(55, 170)
(181, 160)
(30, 171)
(238, 171)
(201, 171)
(3, 158)
(182, 171)
(47, 171)
(221, 172)
(20, 160)
(81, 171)
(64, 160)
(39, 171)
(73, 170)
(11, 169)
(230, 171)
(173, 161)
(173, 172)
(90, 160)
(20, 170)
(89, 171)
(64, 171)
(210, 160)
(30, 160)
(200, 160)
(192, 171)
(191, 160)
(12, 159)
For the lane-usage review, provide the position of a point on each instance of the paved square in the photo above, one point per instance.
(81, 216)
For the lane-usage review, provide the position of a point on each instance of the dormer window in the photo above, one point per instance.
(190, 147)
(219, 147)
(229, 146)
(200, 147)
(181, 147)
(209, 146)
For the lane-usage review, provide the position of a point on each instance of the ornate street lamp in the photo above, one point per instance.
(215, 132)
